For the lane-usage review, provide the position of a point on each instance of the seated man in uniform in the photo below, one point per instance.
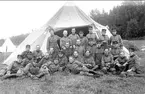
(68, 51)
(80, 48)
(27, 56)
(52, 54)
(133, 63)
(77, 57)
(37, 54)
(121, 64)
(98, 54)
(107, 62)
(53, 66)
(62, 59)
(89, 60)
(92, 48)
(73, 37)
(115, 50)
(36, 72)
(15, 68)
(44, 60)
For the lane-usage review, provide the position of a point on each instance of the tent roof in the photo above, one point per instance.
(68, 16)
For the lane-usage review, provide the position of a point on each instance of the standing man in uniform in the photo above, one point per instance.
(52, 41)
(73, 37)
(92, 40)
(105, 39)
(116, 38)
(65, 40)
(91, 36)
(83, 39)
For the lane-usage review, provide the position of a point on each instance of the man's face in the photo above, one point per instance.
(46, 55)
(114, 32)
(56, 61)
(81, 34)
(37, 47)
(106, 51)
(67, 45)
(121, 54)
(78, 42)
(76, 54)
(103, 32)
(65, 33)
(71, 59)
(73, 31)
(60, 55)
(90, 30)
(19, 59)
(87, 53)
(27, 48)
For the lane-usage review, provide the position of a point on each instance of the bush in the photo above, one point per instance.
(129, 44)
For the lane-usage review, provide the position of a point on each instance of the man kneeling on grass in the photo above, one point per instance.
(16, 69)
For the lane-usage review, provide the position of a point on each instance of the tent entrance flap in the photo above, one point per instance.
(78, 29)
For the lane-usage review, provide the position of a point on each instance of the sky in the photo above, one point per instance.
(20, 17)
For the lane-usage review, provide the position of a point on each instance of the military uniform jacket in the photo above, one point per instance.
(37, 54)
(62, 61)
(78, 58)
(52, 42)
(92, 49)
(84, 41)
(89, 60)
(34, 70)
(116, 38)
(115, 51)
(133, 61)
(68, 51)
(53, 67)
(74, 65)
(80, 49)
(73, 38)
(15, 67)
(121, 61)
(64, 40)
(92, 37)
(27, 55)
(107, 59)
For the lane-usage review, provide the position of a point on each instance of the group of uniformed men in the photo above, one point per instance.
(77, 54)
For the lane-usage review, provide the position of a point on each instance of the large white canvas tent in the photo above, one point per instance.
(67, 17)
(8, 46)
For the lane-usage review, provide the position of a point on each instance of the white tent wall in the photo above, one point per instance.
(8, 46)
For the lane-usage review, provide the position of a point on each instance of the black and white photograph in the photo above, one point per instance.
(72, 47)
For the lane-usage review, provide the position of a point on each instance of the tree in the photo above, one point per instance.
(132, 28)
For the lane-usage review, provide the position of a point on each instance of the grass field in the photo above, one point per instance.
(77, 84)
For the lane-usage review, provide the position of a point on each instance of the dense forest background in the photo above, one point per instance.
(128, 19)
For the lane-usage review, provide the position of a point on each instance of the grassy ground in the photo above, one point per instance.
(76, 84)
